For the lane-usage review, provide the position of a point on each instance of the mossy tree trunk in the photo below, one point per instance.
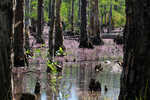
(19, 35)
(6, 22)
(135, 78)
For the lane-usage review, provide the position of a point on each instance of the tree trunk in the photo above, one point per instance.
(27, 13)
(40, 22)
(72, 17)
(27, 24)
(135, 78)
(58, 27)
(110, 18)
(94, 23)
(79, 12)
(105, 17)
(6, 21)
(69, 12)
(84, 42)
(116, 6)
(19, 34)
(52, 23)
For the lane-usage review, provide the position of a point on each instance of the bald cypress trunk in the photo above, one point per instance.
(72, 17)
(58, 27)
(135, 78)
(40, 22)
(6, 15)
(79, 11)
(84, 41)
(27, 24)
(95, 23)
(19, 34)
(52, 23)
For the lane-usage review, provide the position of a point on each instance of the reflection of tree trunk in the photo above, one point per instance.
(135, 78)
(49, 91)
(84, 42)
(39, 97)
(19, 34)
(58, 27)
(82, 77)
(6, 15)
(18, 83)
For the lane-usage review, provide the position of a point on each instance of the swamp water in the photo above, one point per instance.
(73, 82)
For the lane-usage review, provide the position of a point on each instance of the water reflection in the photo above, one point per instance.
(71, 84)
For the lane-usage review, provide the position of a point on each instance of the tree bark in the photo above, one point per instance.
(58, 27)
(110, 18)
(19, 34)
(27, 24)
(6, 22)
(84, 42)
(79, 12)
(40, 22)
(105, 15)
(72, 17)
(135, 78)
(52, 23)
(94, 23)
(69, 11)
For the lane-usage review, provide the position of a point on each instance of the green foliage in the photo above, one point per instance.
(104, 7)
(60, 52)
(27, 51)
(37, 51)
(33, 13)
(65, 7)
(118, 19)
(52, 66)
(118, 16)
(34, 9)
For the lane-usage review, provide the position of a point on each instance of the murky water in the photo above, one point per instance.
(72, 83)
(78, 68)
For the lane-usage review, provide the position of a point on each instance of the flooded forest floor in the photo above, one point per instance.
(78, 69)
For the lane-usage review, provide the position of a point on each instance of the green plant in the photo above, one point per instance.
(60, 52)
(27, 51)
(52, 66)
